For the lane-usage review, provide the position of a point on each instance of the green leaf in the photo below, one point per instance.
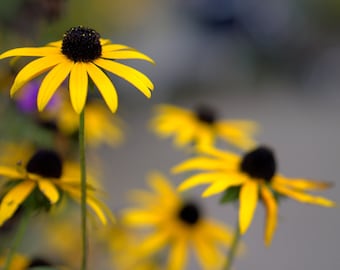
(230, 195)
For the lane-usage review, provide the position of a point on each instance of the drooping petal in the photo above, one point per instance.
(302, 184)
(34, 69)
(10, 172)
(303, 197)
(104, 85)
(52, 81)
(49, 190)
(201, 179)
(133, 76)
(248, 203)
(78, 84)
(178, 254)
(12, 200)
(100, 209)
(37, 51)
(222, 185)
(271, 214)
(127, 54)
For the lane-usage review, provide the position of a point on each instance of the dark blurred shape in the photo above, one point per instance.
(212, 15)
(24, 16)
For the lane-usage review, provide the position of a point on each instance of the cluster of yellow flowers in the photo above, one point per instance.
(165, 217)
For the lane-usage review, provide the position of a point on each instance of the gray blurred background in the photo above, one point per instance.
(275, 62)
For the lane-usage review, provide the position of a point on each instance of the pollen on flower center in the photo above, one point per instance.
(189, 213)
(81, 44)
(259, 163)
(206, 114)
(45, 163)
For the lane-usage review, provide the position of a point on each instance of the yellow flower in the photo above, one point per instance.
(46, 174)
(123, 249)
(256, 175)
(81, 54)
(178, 224)
(101, 126)
(201, 127)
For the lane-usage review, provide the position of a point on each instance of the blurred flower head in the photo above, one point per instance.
(40, 183)
(255, 175)
(176, 223)
(201, 127)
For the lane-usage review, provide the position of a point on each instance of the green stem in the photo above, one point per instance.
(233, 248)
(83, 188)
(18, 238)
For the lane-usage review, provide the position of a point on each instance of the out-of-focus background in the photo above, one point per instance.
(276, 62)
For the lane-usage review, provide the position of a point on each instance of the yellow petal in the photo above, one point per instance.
(127, 54)
(271, 214)
(51, 82)
(201, 179)
(139, 218)
(229, 157)
(178, 254)
(302, 184)
(133, 76)
(219, 233)
(104, 85)
(78, 84)
(160, 185)
(49, 190)
(222, 185)
(108, 47)
(34, 69)
(37, 51)
(10, 172)
(208, 254)
(201, 163)
(100, 209)
(303, 197)
(153, 243)
(12, 200)
(57, 44)
(248, 203)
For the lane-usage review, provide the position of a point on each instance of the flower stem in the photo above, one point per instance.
(83, 188)
(18, 238)
(233, 248)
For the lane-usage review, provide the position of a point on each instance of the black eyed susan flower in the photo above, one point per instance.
(81, 54)
(178, 224)
(256, 175)
(201, 127)
(44, 177)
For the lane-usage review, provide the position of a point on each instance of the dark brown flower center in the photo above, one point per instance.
(189, 213)
(206, 114)
(39, 262)
(259, 163)
(45, 163)
(81, 44)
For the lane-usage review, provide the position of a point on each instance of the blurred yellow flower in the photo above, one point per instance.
(256, 175)
(101, 126)
(178, 224)
(81, 54)
(201, 127)
(45, 173)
